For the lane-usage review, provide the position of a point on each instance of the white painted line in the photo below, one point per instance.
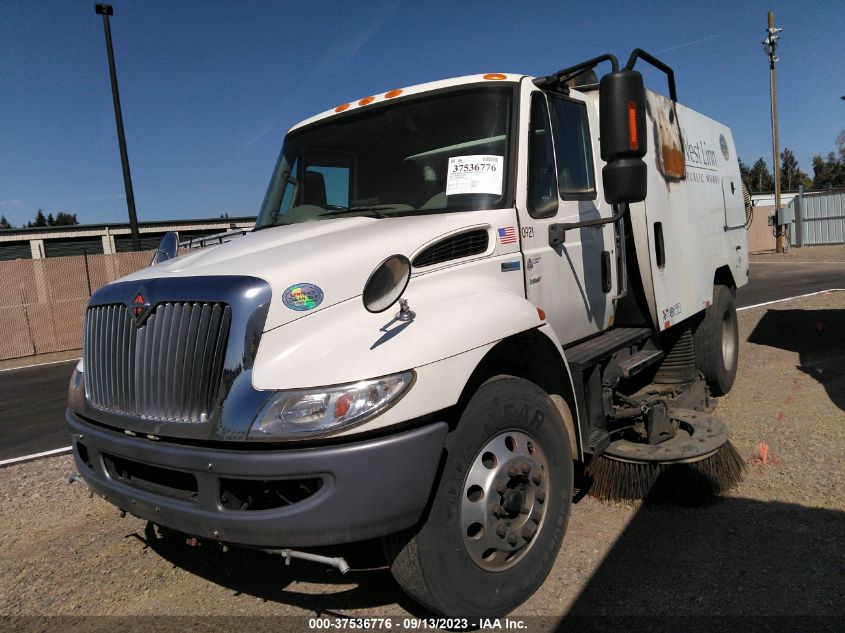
(52, 362)
(15, 460)
(809, 294)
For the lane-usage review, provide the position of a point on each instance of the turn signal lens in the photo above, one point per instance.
(541, 313)
(633, 135)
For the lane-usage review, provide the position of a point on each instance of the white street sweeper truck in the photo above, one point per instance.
(457, 296)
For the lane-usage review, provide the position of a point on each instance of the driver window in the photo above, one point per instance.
(576, 180)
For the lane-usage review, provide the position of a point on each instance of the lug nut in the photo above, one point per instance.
(498, 510)
(501, 487)
(512, 538)
(501, 531)
(528, 531)
(525, 467)
(513, 471)
(540, 496)
(537, 477)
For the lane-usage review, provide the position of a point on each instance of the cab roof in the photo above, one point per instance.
(491, 78)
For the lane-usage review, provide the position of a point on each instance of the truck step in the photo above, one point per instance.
(635, 363)
(589, 352)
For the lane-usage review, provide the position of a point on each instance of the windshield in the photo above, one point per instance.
(445, 152)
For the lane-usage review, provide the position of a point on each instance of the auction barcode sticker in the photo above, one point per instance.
(475, 174)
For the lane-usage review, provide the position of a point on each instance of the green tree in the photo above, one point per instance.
(40, 220)
(66, 219)
(790, 173)
(4, 223)
(50, 220)
(760, 177)
(828, 172)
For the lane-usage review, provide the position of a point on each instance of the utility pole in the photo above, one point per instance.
(106, 10)
(770, 47)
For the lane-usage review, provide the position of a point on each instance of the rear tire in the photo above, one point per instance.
(717, 342)
(500, 510)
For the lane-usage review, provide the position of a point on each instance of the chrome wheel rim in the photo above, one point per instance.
(504, 500)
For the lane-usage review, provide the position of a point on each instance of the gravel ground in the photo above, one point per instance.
(831, 254)
(769, 550)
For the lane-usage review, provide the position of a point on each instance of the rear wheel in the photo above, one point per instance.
(717, 342)
(500, 510)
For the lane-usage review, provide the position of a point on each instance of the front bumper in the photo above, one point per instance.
(367, 488)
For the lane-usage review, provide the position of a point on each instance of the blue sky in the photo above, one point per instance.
(209, 88)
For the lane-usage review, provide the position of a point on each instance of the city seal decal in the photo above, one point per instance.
(302, 297)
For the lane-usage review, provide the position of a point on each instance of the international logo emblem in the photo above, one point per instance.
(139, 307)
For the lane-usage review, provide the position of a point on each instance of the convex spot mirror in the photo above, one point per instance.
(387, 283)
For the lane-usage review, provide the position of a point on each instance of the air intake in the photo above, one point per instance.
(454, 247)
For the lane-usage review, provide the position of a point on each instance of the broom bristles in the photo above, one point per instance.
(691, 484)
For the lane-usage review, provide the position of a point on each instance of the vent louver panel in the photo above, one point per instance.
(455, 247)
(168, 369)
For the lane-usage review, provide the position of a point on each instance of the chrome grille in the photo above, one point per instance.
(167, 369)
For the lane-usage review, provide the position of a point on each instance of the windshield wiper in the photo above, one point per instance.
(374, 210)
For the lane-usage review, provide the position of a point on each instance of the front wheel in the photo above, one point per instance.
(500, 510)
(716, 342)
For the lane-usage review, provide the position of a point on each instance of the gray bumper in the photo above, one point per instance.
(367, 489)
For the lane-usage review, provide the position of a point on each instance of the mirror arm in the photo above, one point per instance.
(557, 232)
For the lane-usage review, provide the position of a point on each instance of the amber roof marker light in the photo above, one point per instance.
(495, 76)
(366, 101)
(342, 107)
(392, 93)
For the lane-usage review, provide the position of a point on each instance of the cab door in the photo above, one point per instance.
(574, 282)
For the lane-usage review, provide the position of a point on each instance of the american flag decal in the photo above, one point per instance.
(507, 235)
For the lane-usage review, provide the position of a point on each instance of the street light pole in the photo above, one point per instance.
(106, 10)
(770, 46)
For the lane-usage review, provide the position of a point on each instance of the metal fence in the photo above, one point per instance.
(819, 218)
(42, 301)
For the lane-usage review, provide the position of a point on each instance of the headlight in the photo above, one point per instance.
(387, 283)
(316, 412)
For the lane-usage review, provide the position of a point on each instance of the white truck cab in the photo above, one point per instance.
(455, 294)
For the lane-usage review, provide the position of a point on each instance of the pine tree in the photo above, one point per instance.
(760, 177)
(66, 219)
(50, 220)
(4, 223)
(40, 220)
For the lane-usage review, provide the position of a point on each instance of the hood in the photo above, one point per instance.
(336, 256)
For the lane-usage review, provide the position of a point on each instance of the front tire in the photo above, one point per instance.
(717, 342)
(500, 510)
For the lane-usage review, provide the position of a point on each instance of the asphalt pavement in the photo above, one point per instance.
(770, 281)
(32, 410)
(34, 398)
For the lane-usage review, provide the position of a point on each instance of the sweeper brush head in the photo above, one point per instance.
(688, 483)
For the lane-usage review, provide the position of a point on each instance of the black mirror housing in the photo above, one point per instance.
(622, 126)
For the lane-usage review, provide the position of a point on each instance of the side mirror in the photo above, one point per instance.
(167, 248)
(622, 125)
